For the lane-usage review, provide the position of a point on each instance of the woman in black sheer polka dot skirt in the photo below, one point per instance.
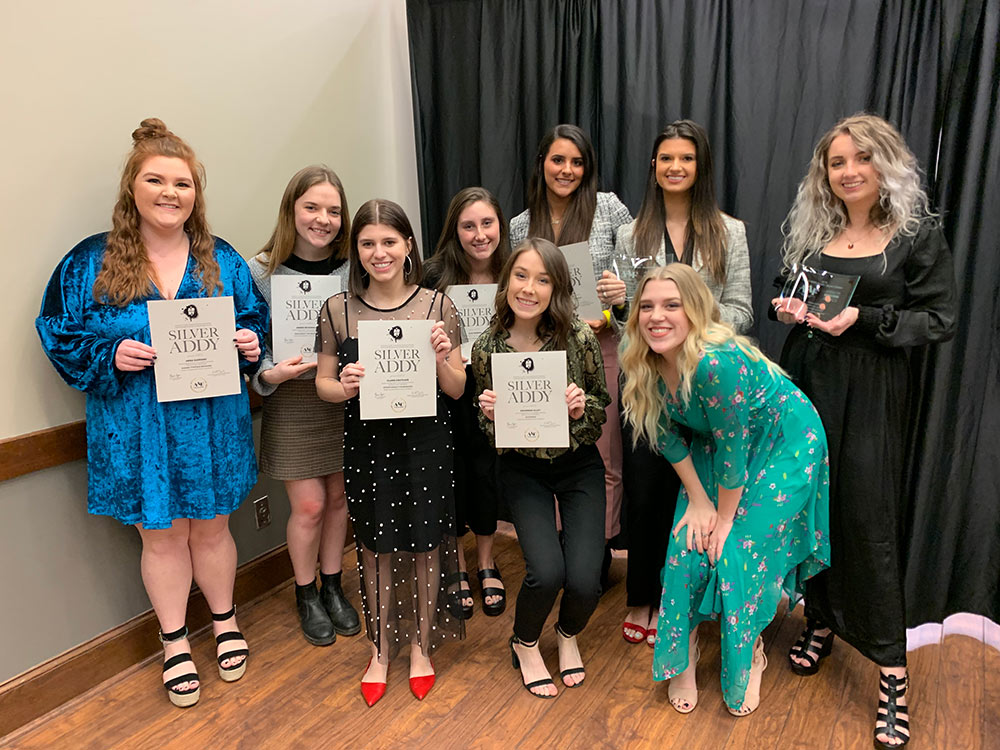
(399, 473)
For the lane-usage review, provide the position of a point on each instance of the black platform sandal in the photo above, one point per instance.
(890, 713)
(496, 608)
(456, 595)
(516, 663)
(230, 674)
(812, 648)
(180, 698)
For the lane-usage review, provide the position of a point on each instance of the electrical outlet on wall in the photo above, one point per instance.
(262, 512)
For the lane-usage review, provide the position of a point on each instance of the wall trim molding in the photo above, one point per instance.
(43, 449)
(34, 693)
(53, 446)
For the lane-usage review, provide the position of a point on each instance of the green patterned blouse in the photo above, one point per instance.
(584, 366)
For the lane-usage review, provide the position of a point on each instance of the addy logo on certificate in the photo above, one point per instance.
(476, 304)
(400, 369)
(196, 357)
(296, 302)
(531, 409)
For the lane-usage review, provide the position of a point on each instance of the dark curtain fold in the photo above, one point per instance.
(766, 79)
(954, 555)
(489, 79)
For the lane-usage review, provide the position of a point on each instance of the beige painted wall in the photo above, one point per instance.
(259, 89)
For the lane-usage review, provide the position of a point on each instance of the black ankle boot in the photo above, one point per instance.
(316, 624)
(342, 614)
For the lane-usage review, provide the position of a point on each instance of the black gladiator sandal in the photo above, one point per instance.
(180, 698)
(895, 717)
(230, 674)
(811, 647)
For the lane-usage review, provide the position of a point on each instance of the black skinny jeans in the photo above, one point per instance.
(577, 481)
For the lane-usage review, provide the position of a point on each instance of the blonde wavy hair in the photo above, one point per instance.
(126, 273)
(641, 398)
(818, 216)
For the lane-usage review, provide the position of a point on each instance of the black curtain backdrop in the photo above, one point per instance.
(766, 79)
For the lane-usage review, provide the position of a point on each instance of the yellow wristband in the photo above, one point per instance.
(607, 316)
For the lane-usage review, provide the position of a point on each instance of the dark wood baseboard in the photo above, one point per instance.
(43, 449)
(23, 454)
(49, 685)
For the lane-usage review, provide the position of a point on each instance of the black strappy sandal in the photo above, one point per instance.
(231, 674)
(516, 663)
(456, 595)
(891, 713)
(180, 698)
(496, 608)
(811, 647)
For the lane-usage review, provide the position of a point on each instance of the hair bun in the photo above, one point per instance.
(151, 127)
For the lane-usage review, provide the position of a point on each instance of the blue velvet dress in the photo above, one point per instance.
(149, 462)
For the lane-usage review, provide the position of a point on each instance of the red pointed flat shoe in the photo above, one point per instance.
(421, 686)
(373, 691)
(627, 626)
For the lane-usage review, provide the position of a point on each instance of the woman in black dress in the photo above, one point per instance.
(398, 472)
(861, 211)
(472, 249)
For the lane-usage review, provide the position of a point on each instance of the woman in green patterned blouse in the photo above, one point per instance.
(535, 314)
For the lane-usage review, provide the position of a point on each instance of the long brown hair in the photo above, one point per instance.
(579, 216)
(126, 272)
(556, 321)
(450, 263)
(282, 242)
(381, 211)
(706, 233)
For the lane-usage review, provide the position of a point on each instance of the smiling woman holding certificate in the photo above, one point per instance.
(564, 206)
(535, 314)
(397, 471)
(177, 469)
(471, 252)
(302, 437)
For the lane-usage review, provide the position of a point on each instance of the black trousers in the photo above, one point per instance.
(651, 487)
(576, 479)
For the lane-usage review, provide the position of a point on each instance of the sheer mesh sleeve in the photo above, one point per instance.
(448, 314)
(331, 325)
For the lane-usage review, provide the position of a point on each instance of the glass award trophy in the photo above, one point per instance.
(824, 293)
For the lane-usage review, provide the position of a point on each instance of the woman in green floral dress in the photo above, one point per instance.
(752, 516)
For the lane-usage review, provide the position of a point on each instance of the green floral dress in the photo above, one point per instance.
(750, 428)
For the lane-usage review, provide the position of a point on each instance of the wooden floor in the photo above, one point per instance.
(298, 696)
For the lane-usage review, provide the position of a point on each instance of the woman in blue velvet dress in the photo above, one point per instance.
(175, 470)
(752, 520)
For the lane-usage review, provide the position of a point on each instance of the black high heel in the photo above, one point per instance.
(811, 647)
(230, 674)
(516, 663)
(564, 673)
(891, 713)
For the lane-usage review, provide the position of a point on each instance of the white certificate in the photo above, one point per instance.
(400, 369)
(296, 302)
(531, 409)
(581, 273)
(195, 353)
(476, 304)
